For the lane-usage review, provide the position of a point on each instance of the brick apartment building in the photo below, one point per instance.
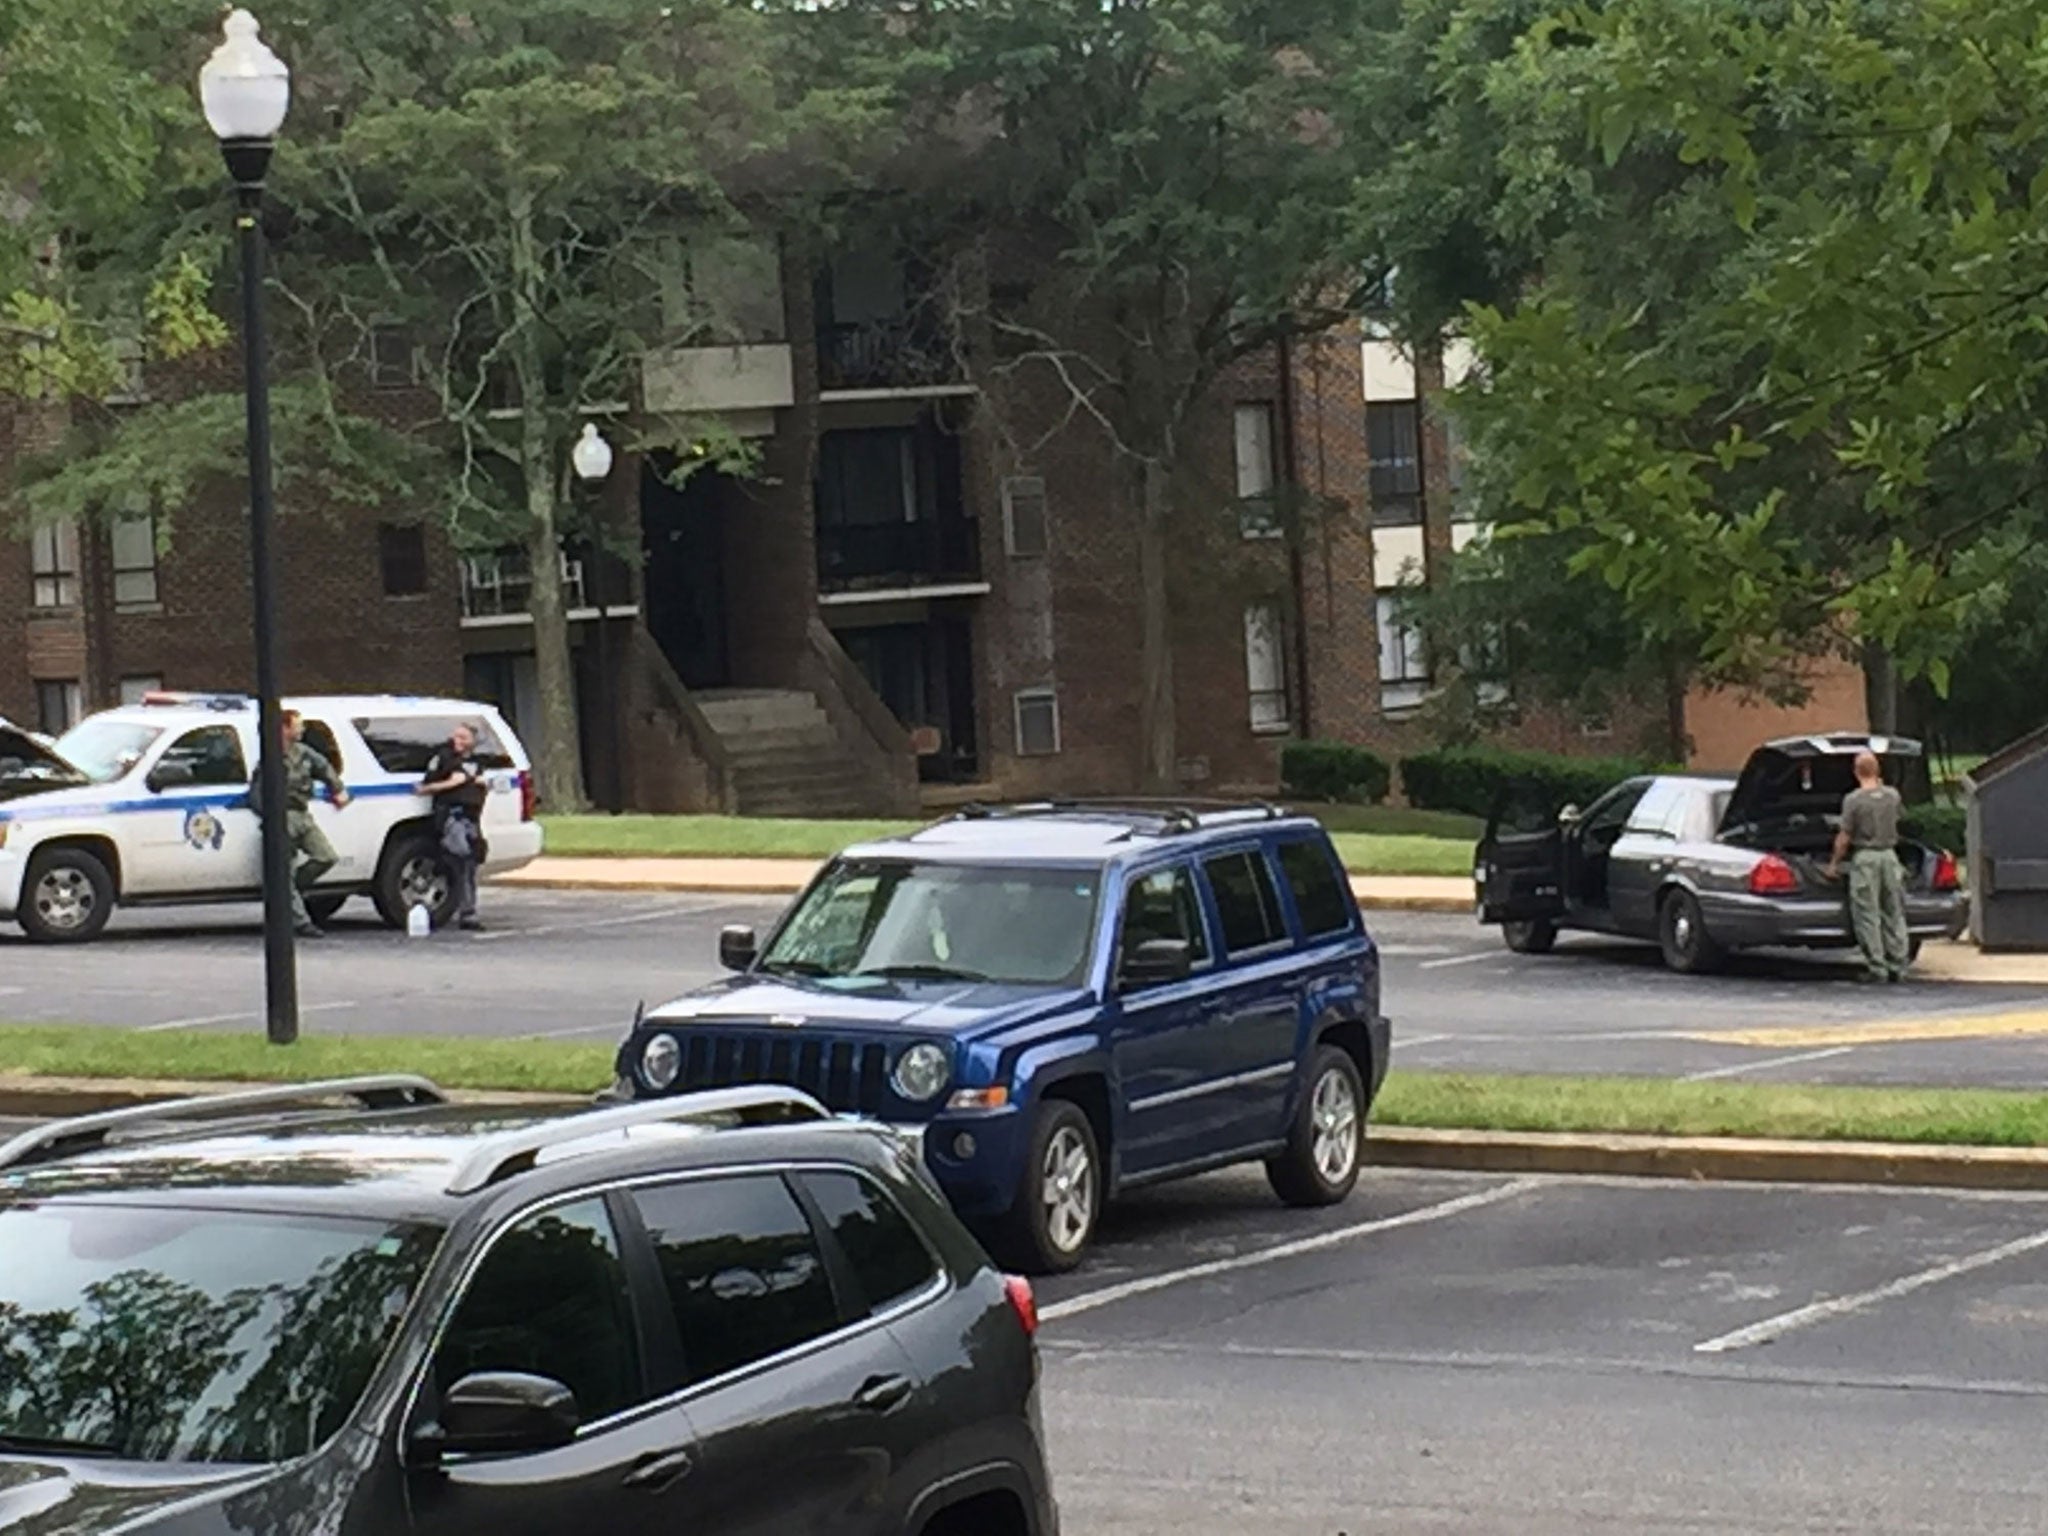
(920, 593)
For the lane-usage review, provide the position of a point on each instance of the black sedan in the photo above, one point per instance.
(1707, 865)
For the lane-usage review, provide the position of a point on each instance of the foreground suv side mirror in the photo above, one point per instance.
(497, 1412)
(169, 776)
(737, 947)
(1158, 961)
(1570, 816)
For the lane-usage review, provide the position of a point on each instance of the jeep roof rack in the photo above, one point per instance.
(1159, 816)
(500, 1157)
(84, 1133)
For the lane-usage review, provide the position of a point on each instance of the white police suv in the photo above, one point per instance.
(149, 804)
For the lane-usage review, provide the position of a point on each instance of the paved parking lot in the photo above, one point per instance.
(573, 965)
(1551, 1355)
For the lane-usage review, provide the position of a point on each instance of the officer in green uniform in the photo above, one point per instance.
(312, 855)
(1869, 840)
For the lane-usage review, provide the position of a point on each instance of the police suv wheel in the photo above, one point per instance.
(1059, 1198)
(413, 871)
(67, 897)
(1326, 1143)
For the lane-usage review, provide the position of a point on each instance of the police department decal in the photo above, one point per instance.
(203, 829)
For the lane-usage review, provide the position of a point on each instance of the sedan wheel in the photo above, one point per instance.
(1682, 934)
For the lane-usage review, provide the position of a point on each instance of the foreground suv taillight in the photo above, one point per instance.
(1023, 1303)
(1772, 877)
(1946, 876)
(527, 795)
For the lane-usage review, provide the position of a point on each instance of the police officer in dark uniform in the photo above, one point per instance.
(455, 778)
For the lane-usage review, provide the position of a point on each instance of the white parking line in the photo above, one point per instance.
(1772, 1328)
(676, 909)
(1412, 1041)
(1089, 1301)
(1759, 1066)
(232, 1018)
(613, 1028)
(1410, 951)
(1472, 959)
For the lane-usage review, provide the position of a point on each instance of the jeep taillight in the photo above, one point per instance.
(1772, 877)
(527, 796)
(1023, 1303)
(1946, 876)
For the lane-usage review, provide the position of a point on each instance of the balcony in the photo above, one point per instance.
(901, 355)
(933, 552)
(497, 589)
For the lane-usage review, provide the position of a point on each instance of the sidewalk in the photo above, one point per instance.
(785, 877)
(1376, 893)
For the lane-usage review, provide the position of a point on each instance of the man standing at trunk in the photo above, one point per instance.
(1869, 839)
(455, 778)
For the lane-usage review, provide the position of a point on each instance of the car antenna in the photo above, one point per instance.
(639, 1013)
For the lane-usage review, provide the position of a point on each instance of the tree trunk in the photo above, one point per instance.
(1157, 727)
(1880, 689)
(558, 754)
(1677, 739)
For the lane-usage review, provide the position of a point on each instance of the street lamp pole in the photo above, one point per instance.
(591, 458)
(246, 90)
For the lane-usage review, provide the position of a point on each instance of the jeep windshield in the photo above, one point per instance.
(104, 750)
(171, 1335)
(907, 921)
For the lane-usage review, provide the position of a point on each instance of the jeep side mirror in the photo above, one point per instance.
(737, 947)
(497, 1413)
(169, 775)
(1158, 961)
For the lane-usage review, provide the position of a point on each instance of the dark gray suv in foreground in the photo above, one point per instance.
(723, 1312)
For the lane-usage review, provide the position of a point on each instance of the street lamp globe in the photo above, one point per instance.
(244, 88)
(592, 455)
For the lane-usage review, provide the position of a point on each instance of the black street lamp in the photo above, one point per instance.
(246, 91)
(591, 458)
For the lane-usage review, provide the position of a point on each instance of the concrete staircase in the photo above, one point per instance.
(785, 757)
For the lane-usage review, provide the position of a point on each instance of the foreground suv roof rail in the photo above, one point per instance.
(83, 1133)
(513, 1152)
(1159, 816)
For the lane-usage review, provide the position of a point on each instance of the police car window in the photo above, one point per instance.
(213, 753)
(1653, 811)
(404, 743)
(1163, 905)
(317, 735)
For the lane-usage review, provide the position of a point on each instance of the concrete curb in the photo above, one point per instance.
(1719, 1158)
(1722, 1158)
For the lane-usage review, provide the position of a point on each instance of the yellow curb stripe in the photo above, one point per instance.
(1979, 1026)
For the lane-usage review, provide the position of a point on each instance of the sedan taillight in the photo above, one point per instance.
(1947, 877)
(1023, 1303)
(1772, 877)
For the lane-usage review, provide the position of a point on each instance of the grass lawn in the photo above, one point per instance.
(1373, 839)
(1980, 1117)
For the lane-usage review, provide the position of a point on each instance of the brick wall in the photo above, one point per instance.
(1725, 727)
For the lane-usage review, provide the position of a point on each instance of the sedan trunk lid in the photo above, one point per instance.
(1803, 779)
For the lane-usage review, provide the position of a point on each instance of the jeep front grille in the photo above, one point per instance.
(846, 1076)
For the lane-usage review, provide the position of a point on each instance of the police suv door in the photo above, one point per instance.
(190, 831)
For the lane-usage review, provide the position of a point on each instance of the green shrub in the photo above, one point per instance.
(1480, 780)
(1334, 772)
(1945, 826)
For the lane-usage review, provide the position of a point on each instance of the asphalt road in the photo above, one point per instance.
(573, 965)
(1549, 1357)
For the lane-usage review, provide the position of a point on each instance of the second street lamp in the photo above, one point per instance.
(246, 90)
(591, 458)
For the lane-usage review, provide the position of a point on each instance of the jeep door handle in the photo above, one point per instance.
(658, 1471)
(882, 1394)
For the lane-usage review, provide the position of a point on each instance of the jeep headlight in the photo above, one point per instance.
(922, 1072)
(661, 1060)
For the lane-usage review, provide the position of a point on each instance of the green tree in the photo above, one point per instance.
(1782, 376)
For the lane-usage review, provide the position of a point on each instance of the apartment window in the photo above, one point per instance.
(133, 689)
(1038, 722)
(59, 705)
(1265, 666)
(1024, 530)
(393, 362)
(1404, 669)
(402, 553)
(1598, 723)
(1394, 480)
(133, 540)
(54, 553)
(1256, 515)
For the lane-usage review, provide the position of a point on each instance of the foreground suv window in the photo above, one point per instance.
(941, 922)
(889, 1260)
(742, 1269)
(157, 1334)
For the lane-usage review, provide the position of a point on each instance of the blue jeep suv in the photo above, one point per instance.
(1061, 1002)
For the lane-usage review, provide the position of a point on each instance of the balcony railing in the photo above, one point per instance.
(893, 554)
(904, 353)
(499, 585)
